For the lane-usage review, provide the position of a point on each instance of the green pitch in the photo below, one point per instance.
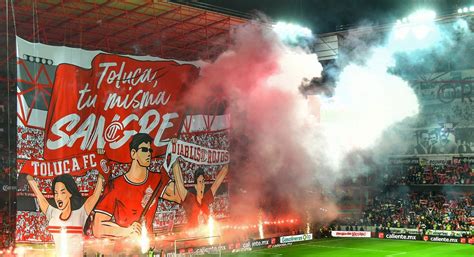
(365, 247)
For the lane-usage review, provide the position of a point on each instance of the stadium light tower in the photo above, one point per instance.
(419, 24)
(466, 10)
(422, 16)
(415, 31)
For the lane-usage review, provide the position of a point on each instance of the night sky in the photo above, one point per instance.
(327, 15)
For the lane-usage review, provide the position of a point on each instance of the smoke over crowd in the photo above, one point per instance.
(287, 158)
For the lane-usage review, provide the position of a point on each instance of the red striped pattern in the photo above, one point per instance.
(69, 229)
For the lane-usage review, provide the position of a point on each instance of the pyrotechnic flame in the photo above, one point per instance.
(210, 226)
(260, 229)
(144, 240)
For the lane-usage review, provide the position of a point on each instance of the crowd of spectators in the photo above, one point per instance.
(7, 222)
(7, 177)
(216, 140)
(30, 142)
(32, 227)
(435, 174)
(422, 210)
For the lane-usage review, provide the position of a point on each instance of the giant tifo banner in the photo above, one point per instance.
(106, 140)
(445, 124)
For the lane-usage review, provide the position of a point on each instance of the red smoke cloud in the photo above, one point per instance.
(272, 166)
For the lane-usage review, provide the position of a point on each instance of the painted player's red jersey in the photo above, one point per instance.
(193, 208)
(124, 200)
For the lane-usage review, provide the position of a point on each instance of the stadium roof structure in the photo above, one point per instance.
(152, 27)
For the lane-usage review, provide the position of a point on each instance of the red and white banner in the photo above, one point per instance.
(350, 233)
(72, 102)
(75, 166)
(195, 154)
(103, 107)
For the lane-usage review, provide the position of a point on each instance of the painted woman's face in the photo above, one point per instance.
(62, 197)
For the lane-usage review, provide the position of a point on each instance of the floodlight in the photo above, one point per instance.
(459, 10)
(416, 31)
(422, 16)
(465, 9)
(471, 9)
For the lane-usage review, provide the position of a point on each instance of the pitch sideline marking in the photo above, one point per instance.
(352, 248)
(273, 254)
(315, 244)
(391, 255)
(259, 251)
